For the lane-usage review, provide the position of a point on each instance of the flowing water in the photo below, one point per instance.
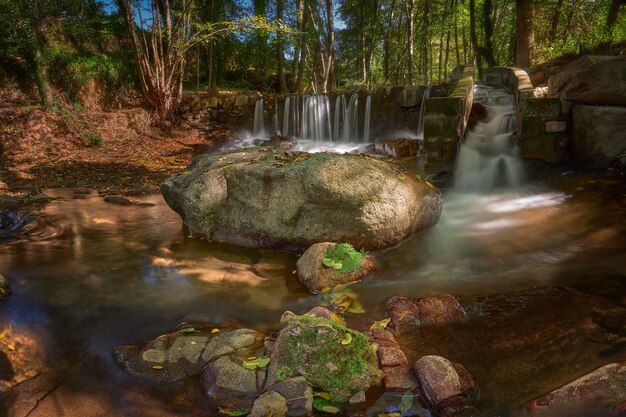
(316, 126)
(488, 156)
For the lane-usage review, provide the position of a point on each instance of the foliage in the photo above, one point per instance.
(330, 364)
(95, 139)
(343, 257)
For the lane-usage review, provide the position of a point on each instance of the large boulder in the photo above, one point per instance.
(599, 393)
(261, 197)
(599, 80)
(598, 134)
(329, 356)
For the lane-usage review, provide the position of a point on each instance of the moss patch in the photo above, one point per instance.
(330, 356)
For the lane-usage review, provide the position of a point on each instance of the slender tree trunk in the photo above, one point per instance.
(303, 49)
(282, 82)
(330, 33)
(41, 78)
(554, 21)
(387, 42)
(410, 33)
(524, 34)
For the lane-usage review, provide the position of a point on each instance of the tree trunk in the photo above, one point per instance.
(410, 33)
(554, 22)
(41, 79)
(330, 47)
(524, 34)
(282, 82)
(611, 18)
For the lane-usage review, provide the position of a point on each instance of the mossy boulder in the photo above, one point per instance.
(330, 356)
(263, 197)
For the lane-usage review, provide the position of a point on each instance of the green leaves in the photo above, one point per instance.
(343, 257)
(260, 362)
(233, 413)
(406, 403)
(322, 401)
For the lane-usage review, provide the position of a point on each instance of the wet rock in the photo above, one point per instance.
(478, 113)
(298, 393)
(599, 393)
(278, 142)
(597, 80)
(397, 373)
(444, 388)
(598, 135)
(118, 199)
(406, 314)
(13, 219)
(292, 200)
(270, 404)
(5, 290)
(316, 277)
(229, 385)
(329, 356)
(399, 147)
(184, 353)
(327, 314)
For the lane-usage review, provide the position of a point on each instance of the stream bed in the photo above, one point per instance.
(534, 267)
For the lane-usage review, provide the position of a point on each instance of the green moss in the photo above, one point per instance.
(320, 349)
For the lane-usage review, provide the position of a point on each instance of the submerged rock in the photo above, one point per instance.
(229, 385)
(311, 271)
(599, 393)
(328, 355)
(270, 404)
(298, 393)
(407, 314)
(184, 353)
(4, 287)
(397, 374)
(292, 200)
(446, 389)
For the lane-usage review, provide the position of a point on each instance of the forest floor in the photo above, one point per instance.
(116, 151)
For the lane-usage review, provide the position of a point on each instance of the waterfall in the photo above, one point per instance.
(351, 120)
(275, 123)
(286, 110)
(338, 117)
(420, 120)
(487, 157)
(366, 123)
(259, 124)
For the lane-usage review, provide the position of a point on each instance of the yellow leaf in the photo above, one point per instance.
(347, 340)
(251, 358)
(157, 367)
(215, 331)
(330, 409)
(323, 395)
(380, 325)
(429, 184)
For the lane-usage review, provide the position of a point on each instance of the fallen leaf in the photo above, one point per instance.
(330, 409)
(215, 331)
(406, 403)
(380, 325)
(233, 413)
(323, 395)
(347, 340)
(157, 367)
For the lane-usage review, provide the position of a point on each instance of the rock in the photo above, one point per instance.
(598, 134)
(118, 199)
(599, 393)
(270, 404)
(397, 374)
(556, 126)
(478, 113)
(298, 393)
(327, 314)
(598, 80)
(311, 271)
(329, 356)
(292, 200)
(229, 385)
(5, 290)
(279, 142)
(183, 353)
(443, 308)
(406, 314)
(399, 147)
(441, 384)
(14, 219)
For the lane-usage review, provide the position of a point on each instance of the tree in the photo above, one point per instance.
(524, 41)
(280, 48)
(613, 14)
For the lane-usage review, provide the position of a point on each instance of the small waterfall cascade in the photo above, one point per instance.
(487, 157)
(420, 120)
(311, 117)
(258, 130)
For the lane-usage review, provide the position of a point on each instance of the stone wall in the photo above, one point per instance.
(543, 124)
(445, 118)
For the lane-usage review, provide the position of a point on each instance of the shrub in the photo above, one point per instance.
(94, 139)
(342, 257)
